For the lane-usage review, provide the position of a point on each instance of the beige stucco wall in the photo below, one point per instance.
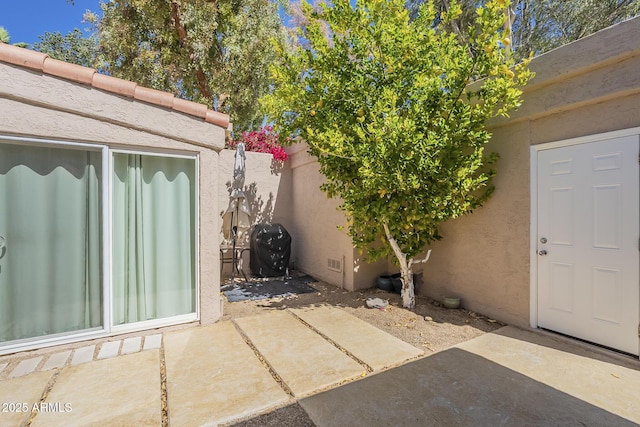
(264, 191)
(314, 222)
(588, 87)
(36, 105)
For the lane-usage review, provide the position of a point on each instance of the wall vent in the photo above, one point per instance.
(334, 264)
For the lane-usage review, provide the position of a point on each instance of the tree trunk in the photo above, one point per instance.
(408, 294)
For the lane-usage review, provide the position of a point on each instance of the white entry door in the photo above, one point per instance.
(588, 242)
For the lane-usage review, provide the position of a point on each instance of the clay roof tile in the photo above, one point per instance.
(114, 84)
(154, 96)
(22, 57)
(42, 62)
(217, 118)
(190, 107)
(65, 70)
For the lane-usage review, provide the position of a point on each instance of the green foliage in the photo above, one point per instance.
(384, 102)
(73, 47)
(213, 52)
(4, 35)
(539, 26)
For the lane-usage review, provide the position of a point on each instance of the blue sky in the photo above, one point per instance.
(25, 20)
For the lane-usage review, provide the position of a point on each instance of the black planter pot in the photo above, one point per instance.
(397, 283)
(385, 283)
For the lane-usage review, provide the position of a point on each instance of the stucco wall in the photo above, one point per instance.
(314, 222)
(36, 105)
(263, 188)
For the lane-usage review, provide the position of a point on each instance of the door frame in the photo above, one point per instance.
(533, 193)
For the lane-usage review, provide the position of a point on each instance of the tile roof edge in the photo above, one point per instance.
(44, 63)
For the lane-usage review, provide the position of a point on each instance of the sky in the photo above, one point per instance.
(25, 20)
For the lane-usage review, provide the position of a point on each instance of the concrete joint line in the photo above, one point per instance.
(43, 397)
(164, 399)
(262, 360)
(368, 368)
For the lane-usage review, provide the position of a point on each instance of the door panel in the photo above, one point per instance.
(588, 225)
(50, 222)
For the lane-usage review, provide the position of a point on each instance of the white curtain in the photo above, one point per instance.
(51, 271)
(153, 237)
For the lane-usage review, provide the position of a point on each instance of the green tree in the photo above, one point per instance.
(384, 103)
(73, 47)
(4, 35)
(214, 52)
(541, 25)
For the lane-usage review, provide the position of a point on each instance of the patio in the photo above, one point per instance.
(336, 370)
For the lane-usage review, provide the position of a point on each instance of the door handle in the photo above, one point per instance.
(542, 252)
(3, 249)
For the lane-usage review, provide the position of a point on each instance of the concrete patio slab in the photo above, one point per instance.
(19, 395)
(213, 377)
(122, 391)
(564, 367)
(490, 380)
(300, 357)
(369, 344)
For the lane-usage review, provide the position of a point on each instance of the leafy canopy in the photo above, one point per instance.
(73, 47)
(213, 52)
(539, 26)
(384, 103)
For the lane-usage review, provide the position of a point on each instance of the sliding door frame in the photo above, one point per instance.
(106, 186)
(167, 321)
(85, 334)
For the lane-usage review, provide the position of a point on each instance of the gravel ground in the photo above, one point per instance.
(428, 326)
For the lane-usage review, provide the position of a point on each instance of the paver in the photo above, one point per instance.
(25, 367)
(109, 349)
(131, 345)
(20, 394)
(122, 390)
(56, 360)
(214, 377)
(369, 344)
(83, 355)
(304, 360)
(152, 342)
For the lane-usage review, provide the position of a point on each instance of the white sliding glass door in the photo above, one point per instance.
(154, 237)
(51, 278)
(93, 242)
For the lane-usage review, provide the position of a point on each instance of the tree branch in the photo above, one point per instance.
(201, 77)
(425, 259)
(394, 245)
